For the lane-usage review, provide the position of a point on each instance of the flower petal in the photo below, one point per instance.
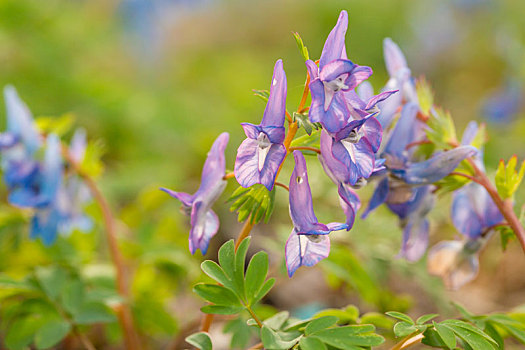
(435, 168)
(185, 198)
(273, 161)
(350, 203)
(301, 206)
(379, 98)
(335, 42)
(358, 75)
(20, 120)
(204, 225)
(404, 132)
(335, 68)
(415, 239)
(274, 112)
(394, 57)
(378, 198)
(300, 251)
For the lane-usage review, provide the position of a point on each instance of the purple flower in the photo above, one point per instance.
(413, 217)
(204, 222)
(337, 172)
(363, 100)
(261, 154)
(400, 79)
(308, 243)
(335, 76)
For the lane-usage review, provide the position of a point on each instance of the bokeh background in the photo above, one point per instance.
(155, 81)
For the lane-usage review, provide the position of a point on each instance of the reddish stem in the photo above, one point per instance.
(123, 311)
(304, 148)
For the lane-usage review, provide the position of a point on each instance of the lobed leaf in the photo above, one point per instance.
(201, 341)
(256, 275)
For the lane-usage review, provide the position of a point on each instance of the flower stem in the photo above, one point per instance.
(123, 311)
(304, 148)
(259, 323)
(282, 185)
(504, 206)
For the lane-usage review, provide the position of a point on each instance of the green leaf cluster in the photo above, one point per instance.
(441, 130)
(255, 203)
(304, 122)
(508, 179)
(237, 290)
(321, 332)
(45, 307)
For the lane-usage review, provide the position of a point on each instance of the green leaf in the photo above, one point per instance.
(93, 312)
(221, 309)
(494, 334)
(227, 258)
(441, 130)
(349, 336)
(319, 324)
(432, 338)
(277, 320)
(56, 125)
(273, 341)
(241, 333)
(263, 94)
(300, 45)
(402, 329)
(507, 178)
(311, 343)
(200, 340)
(446, 334)
(304, 122)
(377, 319)
(255, 202)
(212, 269)
(21, 333)
(307, 140)
(255, 275)
(400, 316)
(240, 260)
(51, 333)
(216, 294)
(425, 318)
(264, 290)
(425, 95)
(506, 235)
(51, 279)
(72, 296)
(473, 336)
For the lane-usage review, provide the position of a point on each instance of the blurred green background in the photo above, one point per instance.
(157, 80)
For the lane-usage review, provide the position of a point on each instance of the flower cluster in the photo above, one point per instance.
(362, 138)
(40, 184)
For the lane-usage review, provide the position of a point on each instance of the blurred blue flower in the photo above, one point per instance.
(504, 104)
(308, 242)
(204, 221)
(261, 154)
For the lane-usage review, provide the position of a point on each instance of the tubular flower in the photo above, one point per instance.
(308, 242)
(406, 186)
(456, 262)
(335, 76)
(19, 142)
(204, 222)
(474, 214)
(261, 154)
(74, 194)
(400, 80)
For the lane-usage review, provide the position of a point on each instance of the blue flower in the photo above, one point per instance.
(204, 221)
(261, 154)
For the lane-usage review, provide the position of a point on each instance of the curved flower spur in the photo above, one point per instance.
(308, 243)
(204, 221)
(261, 154)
